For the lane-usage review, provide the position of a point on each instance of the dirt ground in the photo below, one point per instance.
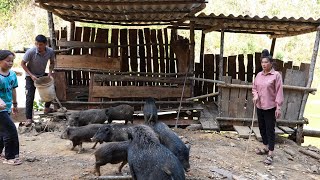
(46, 156)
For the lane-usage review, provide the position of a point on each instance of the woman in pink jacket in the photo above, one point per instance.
(268, 98)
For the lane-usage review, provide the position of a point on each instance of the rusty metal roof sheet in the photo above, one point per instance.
(123, 11)
(276, 27)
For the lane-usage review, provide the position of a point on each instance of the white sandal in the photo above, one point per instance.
(13, 162)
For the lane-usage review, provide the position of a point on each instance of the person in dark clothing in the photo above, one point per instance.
(34, 63)
(8, 132)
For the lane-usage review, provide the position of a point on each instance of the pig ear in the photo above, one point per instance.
(188, 146)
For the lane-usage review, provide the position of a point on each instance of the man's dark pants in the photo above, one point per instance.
(30, 91)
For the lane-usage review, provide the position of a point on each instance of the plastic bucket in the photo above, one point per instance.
(45, 86)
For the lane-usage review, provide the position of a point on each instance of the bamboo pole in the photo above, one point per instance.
(221, 69)
(279, 121)
(51, 31)
(123, 102)
(206, 80)
(192, 49)
(298, 88)
(273, 44)
(311, 74)
(203, 96)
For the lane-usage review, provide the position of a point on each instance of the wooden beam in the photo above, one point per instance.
(310, 79)
(137, 92)
(192, 52)
(132, 78)
(87, 62)
(249, 120)
(51, 31)
(64, 43)
(273, 44)
(221, 54)
(125, 102)
(122, 23)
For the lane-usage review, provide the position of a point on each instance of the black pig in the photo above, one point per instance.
(170, 140)
(121, 112)
(80, 134)
(150, 111)
(113, 153)
(150, 160)
(111, 133)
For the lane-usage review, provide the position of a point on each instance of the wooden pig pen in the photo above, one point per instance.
(103, 67)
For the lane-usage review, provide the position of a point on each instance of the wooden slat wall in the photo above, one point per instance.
(237, 102)
(242, 67)
(153, 58)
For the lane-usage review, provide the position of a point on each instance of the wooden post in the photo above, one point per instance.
(221, 69)
(273, 44)
(191, 63)
(311, 73)
(72, 28)
(51, 31)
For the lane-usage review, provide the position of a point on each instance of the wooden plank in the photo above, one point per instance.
(217, 61)
(148, 48)
(86, 38)
(161, 50)
(87, 61)
(256, 132)
(278, 131)
(135, 78)
(257, 61)
(115, 41)
(142, 52)
(87, 44)
(234, 99)
(91, 84)
(124, 50)
(208, 74)
(287, 65)
(155, 61)
(250, 68)
(250, 105)
(133, 39)
(61, 85)
(166, 47)
(101, 37)
(242, 101)
(197, 87)
(225, 94)
(286, 129)
(77, 37)
(172, 61)
(224, 73)
(304, 67)
(77, 75)
(232, 67)
(138, 92)
(241, 75)
(278, 65)
(243, 131)
(294, 98)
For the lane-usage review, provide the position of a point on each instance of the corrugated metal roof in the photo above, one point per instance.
(123, 11)
(276, 27)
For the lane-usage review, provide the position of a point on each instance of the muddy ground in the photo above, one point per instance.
(46, 156)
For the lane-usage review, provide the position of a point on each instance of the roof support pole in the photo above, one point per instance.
(221, 69)
(72, 29)
(192, 49)
(273, 44)
(53, 39)
(311, 73)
